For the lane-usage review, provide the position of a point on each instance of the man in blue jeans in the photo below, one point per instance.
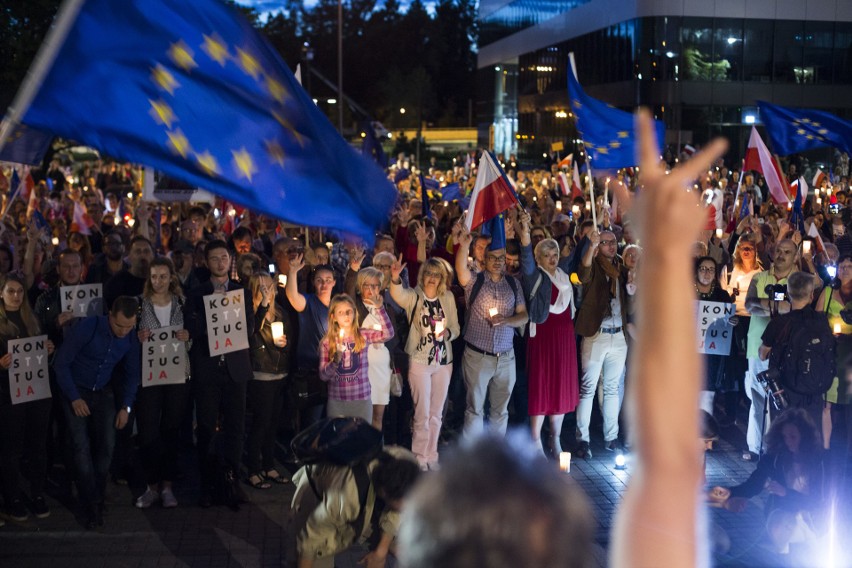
(84, 365)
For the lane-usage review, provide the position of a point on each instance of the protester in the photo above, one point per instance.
(432, 324)
(344, 361)
(709, 289)
(84, 370)
(270, 354)
(379, 364)
(161, 408)
(23, 426)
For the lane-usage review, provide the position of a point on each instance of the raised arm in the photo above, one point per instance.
(656, 524)
(297, 300)
(462, 270)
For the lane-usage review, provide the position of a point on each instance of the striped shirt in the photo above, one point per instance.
(348, 379)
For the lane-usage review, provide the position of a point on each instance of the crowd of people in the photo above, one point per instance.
(428, 332)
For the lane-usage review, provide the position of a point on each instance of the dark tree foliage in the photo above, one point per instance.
(415, 60)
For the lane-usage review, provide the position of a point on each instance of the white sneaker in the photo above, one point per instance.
(168, 498)
(147, 499)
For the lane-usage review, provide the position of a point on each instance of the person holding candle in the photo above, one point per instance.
(161, 409)
(370, 285)
(433, 323)
(344, 361)
(551, 348)
(270, 360)
(832, 301)
(495, 307)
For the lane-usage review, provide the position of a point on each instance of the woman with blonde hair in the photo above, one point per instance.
(433, 322)
(343, 356)
(370, 283)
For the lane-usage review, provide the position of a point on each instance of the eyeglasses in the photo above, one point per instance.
(746, 249)
(371, 286)
(382, 266)
(493, 258)
(706, 269)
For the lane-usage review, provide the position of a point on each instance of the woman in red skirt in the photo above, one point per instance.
(552, 348)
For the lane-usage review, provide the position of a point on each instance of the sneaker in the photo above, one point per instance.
(39, 508)
(169, 501)
(17, 511)
(147, 499)
(612, 446)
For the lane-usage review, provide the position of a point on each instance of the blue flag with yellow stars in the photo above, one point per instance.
(26, 146)
(794, 130)
(190, 88)
(607, 132)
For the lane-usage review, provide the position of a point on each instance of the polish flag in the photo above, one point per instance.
(81, 222)
(564, 184)
(565, 162)
(492, 193)
(715, 200)
(818, 179)
(759, 159)
(576, 186)
(813, 232)
(689, 150)
(800, 185)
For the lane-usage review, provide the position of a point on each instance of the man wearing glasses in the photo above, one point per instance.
(602, 322)
(495, 307)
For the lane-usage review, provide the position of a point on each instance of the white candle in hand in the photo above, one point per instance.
(277, 330)
(837, 329)
(282, 280)
(439, 328)
(492, 312)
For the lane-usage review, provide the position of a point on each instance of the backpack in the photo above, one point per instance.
(805, 359)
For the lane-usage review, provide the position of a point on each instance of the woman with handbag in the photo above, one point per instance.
(552, 373)
(433, 324)
(161, 408)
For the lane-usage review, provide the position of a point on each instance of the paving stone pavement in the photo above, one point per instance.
(254, 536)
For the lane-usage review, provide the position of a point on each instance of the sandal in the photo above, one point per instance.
(258, 482)
(275, 477)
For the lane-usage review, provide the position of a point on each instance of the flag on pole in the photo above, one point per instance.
(496, 229)
(565, 162)
(799, 188)
(193, 90)
(608, 133)
(492, 193)
(427, 184)
(26, 146)
(819, 178)
(564, 184)
(81, 222)
(576, 185)
(759, 159)
(715, 200)
(813, 232)
(793, 130)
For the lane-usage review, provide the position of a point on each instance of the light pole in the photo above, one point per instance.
(340, 64)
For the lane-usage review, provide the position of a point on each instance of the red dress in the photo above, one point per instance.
(552, 365)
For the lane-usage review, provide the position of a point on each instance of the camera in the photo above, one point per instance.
(778, 292)
(769, 381)
(831, 270)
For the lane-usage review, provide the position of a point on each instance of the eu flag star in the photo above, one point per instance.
(248, 64)
(243, 163)
(276, 89)
(274, 151)
(178, 142)
(282, 120)
(623, 134)
(162, 112)
(208, 163)
(216, 49)
(164, 79)
(182, 56)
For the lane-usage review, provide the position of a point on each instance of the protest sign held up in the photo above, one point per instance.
(714, 331)
(226, 322)
(83, 300)
(164, 358)
(28, 378)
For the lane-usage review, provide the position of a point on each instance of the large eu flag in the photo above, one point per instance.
(190, 88)
(794, 130)
(608, 133)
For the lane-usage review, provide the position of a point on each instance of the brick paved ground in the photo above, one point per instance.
(254, 536)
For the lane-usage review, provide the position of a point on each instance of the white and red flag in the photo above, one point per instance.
(492, 193)
(759, 159)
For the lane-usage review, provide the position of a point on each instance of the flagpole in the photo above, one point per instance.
(588, 158)
(65, 19)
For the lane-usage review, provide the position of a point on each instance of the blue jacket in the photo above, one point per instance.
(88, 355)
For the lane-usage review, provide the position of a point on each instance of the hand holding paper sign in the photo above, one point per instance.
(6, 361)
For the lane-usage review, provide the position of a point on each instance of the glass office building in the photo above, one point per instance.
(700, 64)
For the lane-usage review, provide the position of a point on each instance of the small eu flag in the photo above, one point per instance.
(190, 88)
(608, 133)
(26, 146)
(794, 130)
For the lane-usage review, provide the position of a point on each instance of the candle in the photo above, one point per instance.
(559, 205)
(470, 260)
(565, 462)
(806, 247)
(588, 206)
(377, 327)
(439, 327)
(719, 233)
(55, 241)
(837, 329)
(282, 280)
(492, 312)
(819, 202)
(329, 245)
(277, 330)
(790, 205)
(576, 210)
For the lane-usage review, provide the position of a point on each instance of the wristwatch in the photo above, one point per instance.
(129, 409)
